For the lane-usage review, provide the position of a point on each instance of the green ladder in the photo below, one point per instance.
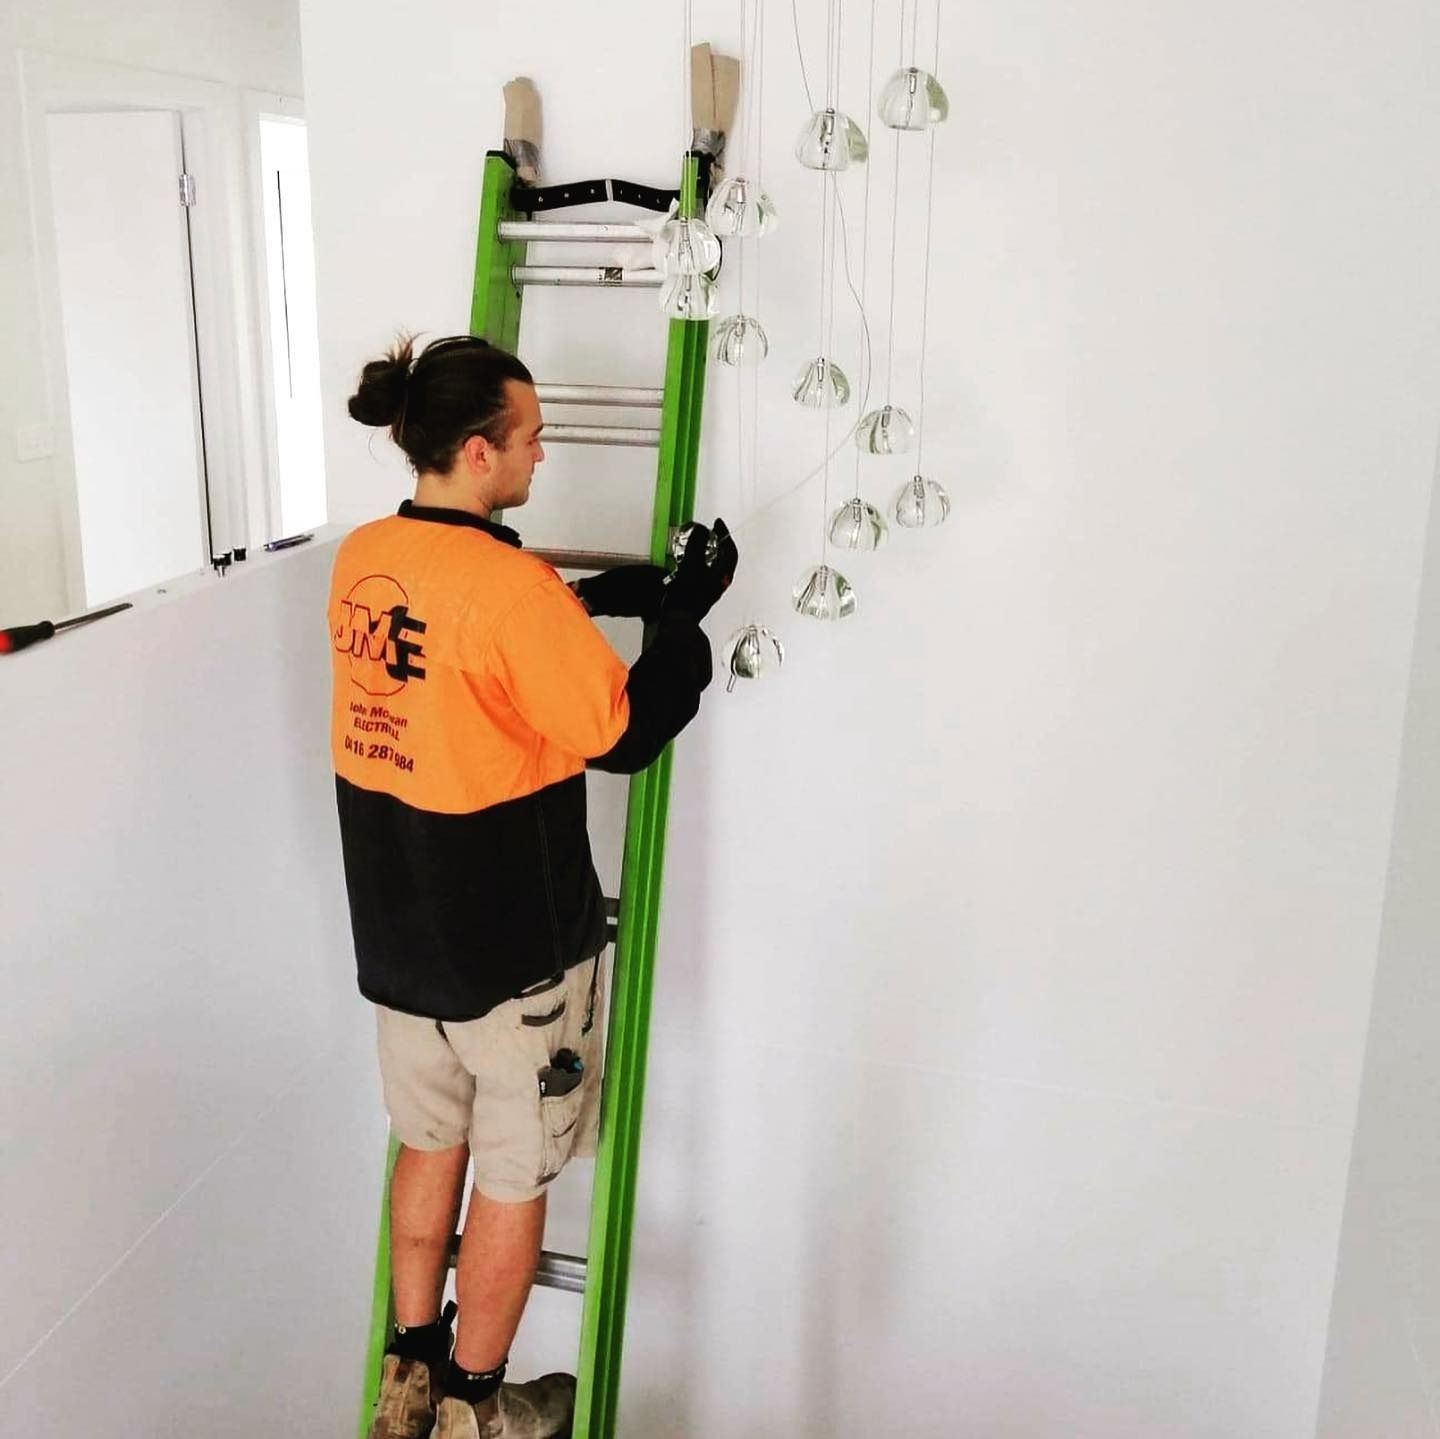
(502, 273)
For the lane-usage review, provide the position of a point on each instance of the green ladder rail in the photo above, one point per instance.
(501, 274)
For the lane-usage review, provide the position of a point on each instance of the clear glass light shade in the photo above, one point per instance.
(740, 340)
(886, 431)
(740, 208)
(922, 504)
(686, 247)
(751, 653)
(912, 100)
(681, 538)
(689, 297)
(831, 141)
(857, 525)
(824, 594)
(821, 385)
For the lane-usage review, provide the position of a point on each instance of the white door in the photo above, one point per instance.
(294, 335)
(127, 305)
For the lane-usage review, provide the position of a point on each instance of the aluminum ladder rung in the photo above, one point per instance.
(587, 559)
(635, 436)
(601, 277)
(555, 1271)
(561, 1271)
(592, 232)
(631, 397)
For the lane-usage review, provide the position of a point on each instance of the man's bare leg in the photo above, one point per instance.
(425, 1194)
(498, 1254)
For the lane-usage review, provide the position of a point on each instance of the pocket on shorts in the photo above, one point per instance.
(559, 1123)
(551, 1023)
(543, 1005)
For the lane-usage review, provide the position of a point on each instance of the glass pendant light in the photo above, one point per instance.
(740, 208)
(913, 99)
(857, 525)
(740, 340)
(824, 594)
(831, 140)
(689, 297)
(681, 539)
(886, 431)
(922, 504)
(751, 652)
(686, 247)
(856, 142)
(821, 385)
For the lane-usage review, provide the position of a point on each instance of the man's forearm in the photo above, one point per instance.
(664, 690)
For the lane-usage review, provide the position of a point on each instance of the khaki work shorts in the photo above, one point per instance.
(480, 1081)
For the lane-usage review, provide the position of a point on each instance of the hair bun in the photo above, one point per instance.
(380, 400)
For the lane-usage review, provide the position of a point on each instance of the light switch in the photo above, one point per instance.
(34, 442)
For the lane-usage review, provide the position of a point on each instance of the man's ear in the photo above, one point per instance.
(478, 451)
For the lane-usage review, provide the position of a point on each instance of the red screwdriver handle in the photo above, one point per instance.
(19, 637)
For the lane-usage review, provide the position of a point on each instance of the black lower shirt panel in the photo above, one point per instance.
(454, 914)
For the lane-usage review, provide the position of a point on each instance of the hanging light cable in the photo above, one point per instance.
(867, 345)
(857, 524)
(889, 430)
(753, 650)
(822, 592)
(923, 502)
(866, 360)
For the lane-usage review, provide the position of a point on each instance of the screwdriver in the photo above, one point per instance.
(19, 637)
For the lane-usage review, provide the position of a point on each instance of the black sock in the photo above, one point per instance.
(473, 1388)
(427, 1342)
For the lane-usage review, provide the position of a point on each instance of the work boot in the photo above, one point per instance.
(407, 1400)
(541, 1409)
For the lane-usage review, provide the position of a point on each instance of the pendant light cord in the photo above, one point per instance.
(925, 289)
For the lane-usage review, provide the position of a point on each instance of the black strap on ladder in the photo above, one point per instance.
(529, 200)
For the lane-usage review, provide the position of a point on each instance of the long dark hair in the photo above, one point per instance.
(433, 404)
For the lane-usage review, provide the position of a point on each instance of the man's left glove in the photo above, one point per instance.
(629, 591)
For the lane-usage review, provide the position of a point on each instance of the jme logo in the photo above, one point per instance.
(373, 628)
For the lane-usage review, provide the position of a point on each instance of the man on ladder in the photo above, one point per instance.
(471, 690)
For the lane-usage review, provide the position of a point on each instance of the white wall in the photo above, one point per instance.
(1382, 1370)
(190, 1132)
(1019, 939)
(253, 45)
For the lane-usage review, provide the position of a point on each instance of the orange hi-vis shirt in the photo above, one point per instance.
(470, 687)
(466, 671)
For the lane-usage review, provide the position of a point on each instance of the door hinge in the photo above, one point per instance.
(187, 190)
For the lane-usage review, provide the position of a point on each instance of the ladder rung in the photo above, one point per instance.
(637, 397)
(638, 437)
(595, 232)
(587, 559)
(561, 1271)
(555, 1271)
(604, 277)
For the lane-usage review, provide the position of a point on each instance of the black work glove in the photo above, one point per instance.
(628, 591)
(704, 572)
